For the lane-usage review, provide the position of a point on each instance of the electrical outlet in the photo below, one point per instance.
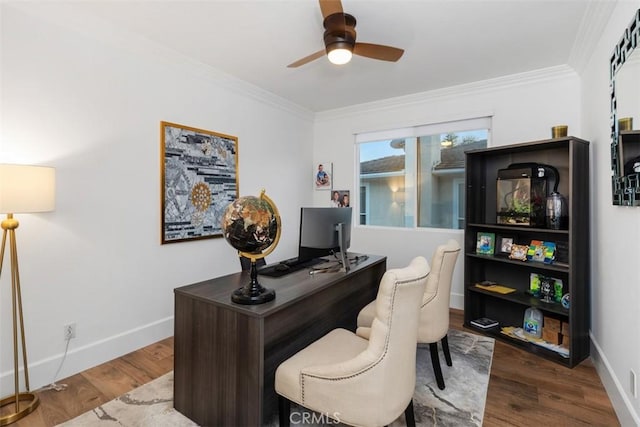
(633, 385)
(69, 331)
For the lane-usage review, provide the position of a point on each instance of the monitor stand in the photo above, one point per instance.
(343, 250)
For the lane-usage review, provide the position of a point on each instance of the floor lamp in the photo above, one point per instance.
(23, 189)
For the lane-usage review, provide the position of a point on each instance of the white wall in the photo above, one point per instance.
(91, 106)
(615, 325)
(524, 108)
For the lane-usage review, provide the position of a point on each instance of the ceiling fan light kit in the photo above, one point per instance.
(340, 39)
(339, 56)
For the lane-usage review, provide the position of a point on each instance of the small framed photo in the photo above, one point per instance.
(339, 199)
(519, 252)
(505, 244)
(323, 176)
(486, 243)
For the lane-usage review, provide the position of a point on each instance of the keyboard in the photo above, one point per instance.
(288, 266)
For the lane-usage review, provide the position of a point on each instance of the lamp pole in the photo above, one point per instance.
(9, 226)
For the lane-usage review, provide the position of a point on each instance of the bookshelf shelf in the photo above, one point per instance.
(561, 267)
(531, 348)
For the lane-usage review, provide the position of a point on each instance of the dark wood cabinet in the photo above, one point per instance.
(570, 156)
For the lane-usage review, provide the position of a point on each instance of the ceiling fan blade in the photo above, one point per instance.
(307, 59)
(378, 51)
(329, 7)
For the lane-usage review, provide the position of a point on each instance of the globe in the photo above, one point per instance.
(252, 226)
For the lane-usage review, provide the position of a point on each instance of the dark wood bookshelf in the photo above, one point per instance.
(570, 156)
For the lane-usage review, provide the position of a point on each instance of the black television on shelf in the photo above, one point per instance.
(324, 231)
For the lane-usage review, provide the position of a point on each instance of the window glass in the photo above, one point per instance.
(417, 180)
(363, 204)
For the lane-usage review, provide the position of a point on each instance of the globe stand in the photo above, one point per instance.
(253, 292)
(264, 225)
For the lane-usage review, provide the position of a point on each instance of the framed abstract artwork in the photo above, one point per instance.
(199, 179)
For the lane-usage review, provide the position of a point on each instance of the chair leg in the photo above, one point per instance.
(409, 416)
(284, 411)
(435, 361)
(445, 349)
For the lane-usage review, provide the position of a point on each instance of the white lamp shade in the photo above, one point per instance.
(25, 189)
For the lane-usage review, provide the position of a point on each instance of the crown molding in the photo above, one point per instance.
(592, 26)
(512, 80)
(65, 16)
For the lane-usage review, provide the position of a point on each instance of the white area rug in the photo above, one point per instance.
(461, 403)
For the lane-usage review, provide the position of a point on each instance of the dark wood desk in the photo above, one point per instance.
(226, 354)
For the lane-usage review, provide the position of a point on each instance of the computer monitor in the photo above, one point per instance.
(324, 231)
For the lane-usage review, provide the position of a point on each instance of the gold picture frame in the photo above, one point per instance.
(199, 178)
(519, 252)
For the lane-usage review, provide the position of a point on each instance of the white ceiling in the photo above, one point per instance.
(446, 42)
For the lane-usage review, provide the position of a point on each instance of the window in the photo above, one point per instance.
(414, 177)
(364, 204)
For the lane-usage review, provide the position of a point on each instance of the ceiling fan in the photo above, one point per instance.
(340, 39)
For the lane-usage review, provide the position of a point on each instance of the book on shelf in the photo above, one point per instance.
(549, 252)
(488, 285)
(562, 253)
(518, 333)
(484, 323)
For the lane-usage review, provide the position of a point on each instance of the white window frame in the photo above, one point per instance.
(367, 204)
(456, 214)
(454, 126)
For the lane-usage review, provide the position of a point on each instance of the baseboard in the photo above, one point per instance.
(457, 301)
(620, 401)
(78, 359)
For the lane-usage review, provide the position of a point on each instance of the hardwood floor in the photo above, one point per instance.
(524, 390)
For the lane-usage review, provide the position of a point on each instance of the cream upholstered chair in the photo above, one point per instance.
(354, 380)
(434, 313)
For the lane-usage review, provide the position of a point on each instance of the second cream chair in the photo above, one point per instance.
(434, 312)
(357, 381)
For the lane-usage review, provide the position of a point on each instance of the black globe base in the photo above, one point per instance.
(253, 292)
(249, 297)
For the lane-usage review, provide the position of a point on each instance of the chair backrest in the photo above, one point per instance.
(382, 378)
(434, 313)
(394, 330)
